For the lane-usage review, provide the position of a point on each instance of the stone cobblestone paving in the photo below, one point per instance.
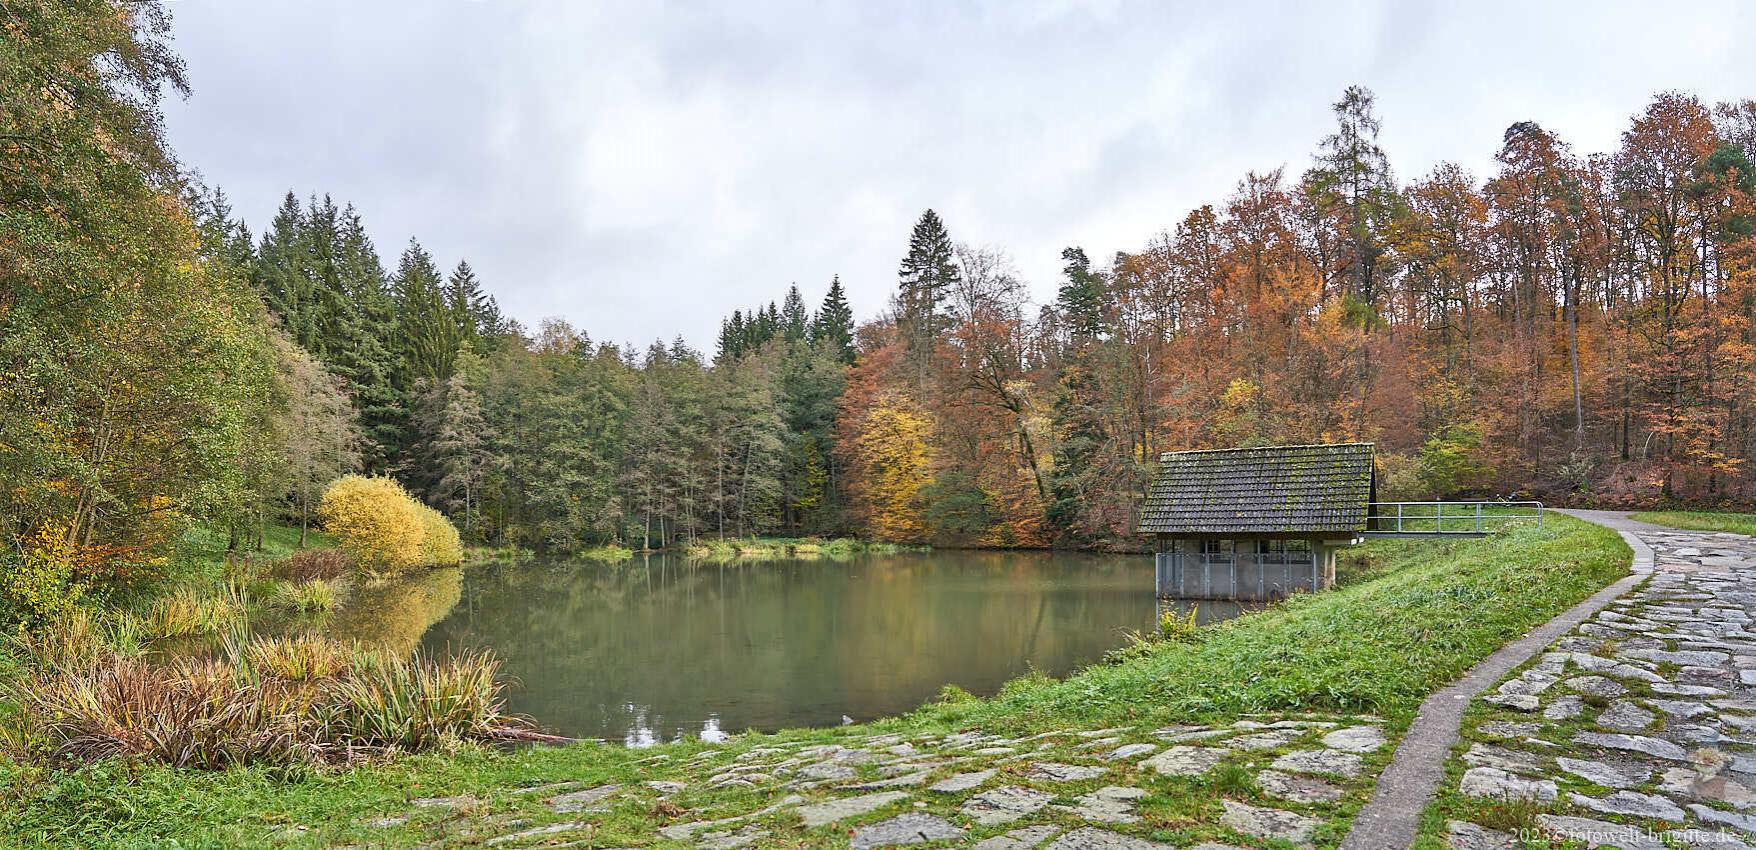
(1264, 781)
(1637, 729)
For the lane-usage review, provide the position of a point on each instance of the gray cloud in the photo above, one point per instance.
(642, 169)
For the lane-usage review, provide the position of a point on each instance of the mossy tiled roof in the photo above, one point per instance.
(1270, 490)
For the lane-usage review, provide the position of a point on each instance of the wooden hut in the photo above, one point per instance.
(1259, 523)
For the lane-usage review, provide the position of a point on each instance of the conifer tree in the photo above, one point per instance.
(1355, 190)
(924, 281)
(1081, 298)
(833, 326)
(426, 329)
(794, 321)
(280, 272)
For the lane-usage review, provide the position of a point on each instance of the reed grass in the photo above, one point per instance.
(301, 658)
(287, 702)
(317, 596)
(184, 612)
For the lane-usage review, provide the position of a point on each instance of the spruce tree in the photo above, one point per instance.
(469, 307)
(731, 337)
(924, 281)
(428, 335)
(1080, 300)
(368, 359)
(833, 326)
(794, 321)
(279, 274)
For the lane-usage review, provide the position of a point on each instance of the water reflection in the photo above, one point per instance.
(396, 614)
(659, 648)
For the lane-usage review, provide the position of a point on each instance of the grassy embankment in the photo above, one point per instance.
(1516, 815)
(1701, 520)
(722, 551)
(1411, 615)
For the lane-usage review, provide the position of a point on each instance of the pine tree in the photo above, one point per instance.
(925, 279)
(833, 326)
(280, 272)
(794, 321)
(1356, 190)
(426, 329)
(1081, 298)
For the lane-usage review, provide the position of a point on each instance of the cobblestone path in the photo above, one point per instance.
(1636, 730)
(1261, 782)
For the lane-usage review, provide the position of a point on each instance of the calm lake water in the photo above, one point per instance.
(661, 647)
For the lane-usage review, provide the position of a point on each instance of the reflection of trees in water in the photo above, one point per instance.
(395, 615)
(664, 643)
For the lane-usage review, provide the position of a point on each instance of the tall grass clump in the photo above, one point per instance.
(301, 658)
(420, 704)
(298, 702)
(316, 596)
(184, 612)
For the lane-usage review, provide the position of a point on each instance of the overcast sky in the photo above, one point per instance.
(643, 168)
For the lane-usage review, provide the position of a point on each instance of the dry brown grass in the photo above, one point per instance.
(314, 564)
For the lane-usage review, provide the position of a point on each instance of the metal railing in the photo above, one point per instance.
(1434, 518)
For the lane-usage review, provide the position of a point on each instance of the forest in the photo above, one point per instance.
(1572, 326)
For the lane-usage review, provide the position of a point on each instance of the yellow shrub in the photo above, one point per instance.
(41, 584)
(440, 544)
(376, 522)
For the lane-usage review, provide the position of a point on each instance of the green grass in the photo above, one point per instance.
(608, 553)
(1408, 617)
(1379, 645)
(807, 548)
(1701, 520)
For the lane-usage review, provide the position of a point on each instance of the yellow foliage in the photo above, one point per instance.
(894, 445)
(41, 585)
(376, 521)
(384, 529)
(440, 544)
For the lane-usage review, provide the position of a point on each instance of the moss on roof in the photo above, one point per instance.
(1321, 490)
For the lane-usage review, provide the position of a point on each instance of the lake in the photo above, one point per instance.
(662, 647)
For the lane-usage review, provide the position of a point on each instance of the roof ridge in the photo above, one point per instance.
(1163, 455)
